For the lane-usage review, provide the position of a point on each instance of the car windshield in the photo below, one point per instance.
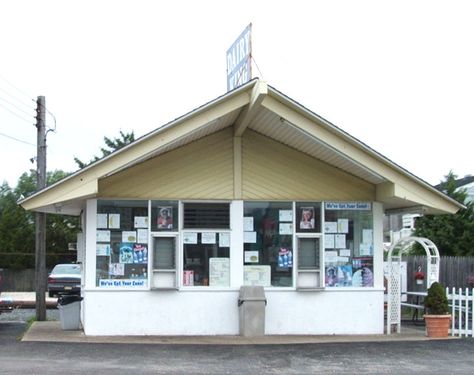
(67, 269)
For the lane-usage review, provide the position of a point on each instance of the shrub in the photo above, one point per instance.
(436, 303)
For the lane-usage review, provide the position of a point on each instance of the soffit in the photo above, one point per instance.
(273, 126)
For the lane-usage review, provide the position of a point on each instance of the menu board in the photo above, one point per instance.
(219, 272)
(257, 275)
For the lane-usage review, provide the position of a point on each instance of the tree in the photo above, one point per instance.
(111, 146)
(452, 234)
(17, 227)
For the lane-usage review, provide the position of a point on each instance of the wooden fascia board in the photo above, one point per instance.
(248, 113)
(71, 189)
(85, 182)
(405, 184)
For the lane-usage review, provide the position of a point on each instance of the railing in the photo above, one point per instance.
(461, 303)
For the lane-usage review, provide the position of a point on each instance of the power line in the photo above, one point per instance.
(17, 89)
(18, 100)
(18, 108)
(18, 140)
(17, 115)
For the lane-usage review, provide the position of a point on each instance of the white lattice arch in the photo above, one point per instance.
(394, 278)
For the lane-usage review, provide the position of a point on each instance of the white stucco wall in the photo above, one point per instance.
(203, 311)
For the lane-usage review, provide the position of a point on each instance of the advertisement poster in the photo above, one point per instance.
(102, 221)
(307, 218)
(103, 236)
(129, 236)
(208, 237)
(219, 272)
(344, 275)
(165, 218)
(103, 249)
(190, 238)
(116, 269)
(331, 276)
(224, 239)
(363, 272)
(141, 222)
(286, 215)
(140, 253)
(126, 252)
(114, 221)
(251, 256)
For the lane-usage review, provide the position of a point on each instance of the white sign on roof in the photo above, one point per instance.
(239, 67)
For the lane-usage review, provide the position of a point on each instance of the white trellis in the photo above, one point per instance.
(394, 278)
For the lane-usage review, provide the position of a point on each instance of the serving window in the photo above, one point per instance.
(206, 244)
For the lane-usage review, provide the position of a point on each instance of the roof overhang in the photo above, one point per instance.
(265, 110)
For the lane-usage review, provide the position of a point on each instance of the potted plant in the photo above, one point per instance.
(419, 277)
(437, 317)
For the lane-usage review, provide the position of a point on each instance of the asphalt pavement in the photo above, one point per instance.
(454, 356)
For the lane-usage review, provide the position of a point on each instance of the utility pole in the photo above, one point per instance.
(40, 247)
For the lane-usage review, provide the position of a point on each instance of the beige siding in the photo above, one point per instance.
(200, 170)
(272, 170)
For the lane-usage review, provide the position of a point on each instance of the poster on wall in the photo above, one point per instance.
(126, 252)
(363, 272)
(286, 215)
(103, 236)
(307, 218)
(286, 229)
(250, 237)
(343, 226)
(129, 236)
(340, 241)
(331, 276)
(248, 223)
(330, 227)
(251, 256)
(116, 269)
(165, 217)
(141, 222)
(224, 239)
(257, 275)
(102, 221)
(114, 221)
(344, 275)
(329, 241)
(103, 249)
(190, 238)
(208, 238)
(140, 253)
(142, 235)
(219, 272)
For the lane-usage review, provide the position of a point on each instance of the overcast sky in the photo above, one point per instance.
(397, 75)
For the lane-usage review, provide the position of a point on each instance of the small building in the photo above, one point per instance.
(249, 189)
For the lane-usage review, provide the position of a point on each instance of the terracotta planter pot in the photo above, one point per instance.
(437, 325)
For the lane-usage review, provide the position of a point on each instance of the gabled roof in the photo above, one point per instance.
(267, 111)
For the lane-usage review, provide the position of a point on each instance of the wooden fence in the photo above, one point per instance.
(454, 272)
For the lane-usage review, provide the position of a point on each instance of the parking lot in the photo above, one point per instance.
(454, 356)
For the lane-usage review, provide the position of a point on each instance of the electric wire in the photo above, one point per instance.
(16, 88)
(18, 140)
(18, 100)
(17, 115)
(18, 108)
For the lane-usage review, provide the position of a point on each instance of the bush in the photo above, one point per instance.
(436, 303)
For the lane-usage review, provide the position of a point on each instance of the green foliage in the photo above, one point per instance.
(436, 303)
(111, 146)
(452, 234)
(17, 227)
